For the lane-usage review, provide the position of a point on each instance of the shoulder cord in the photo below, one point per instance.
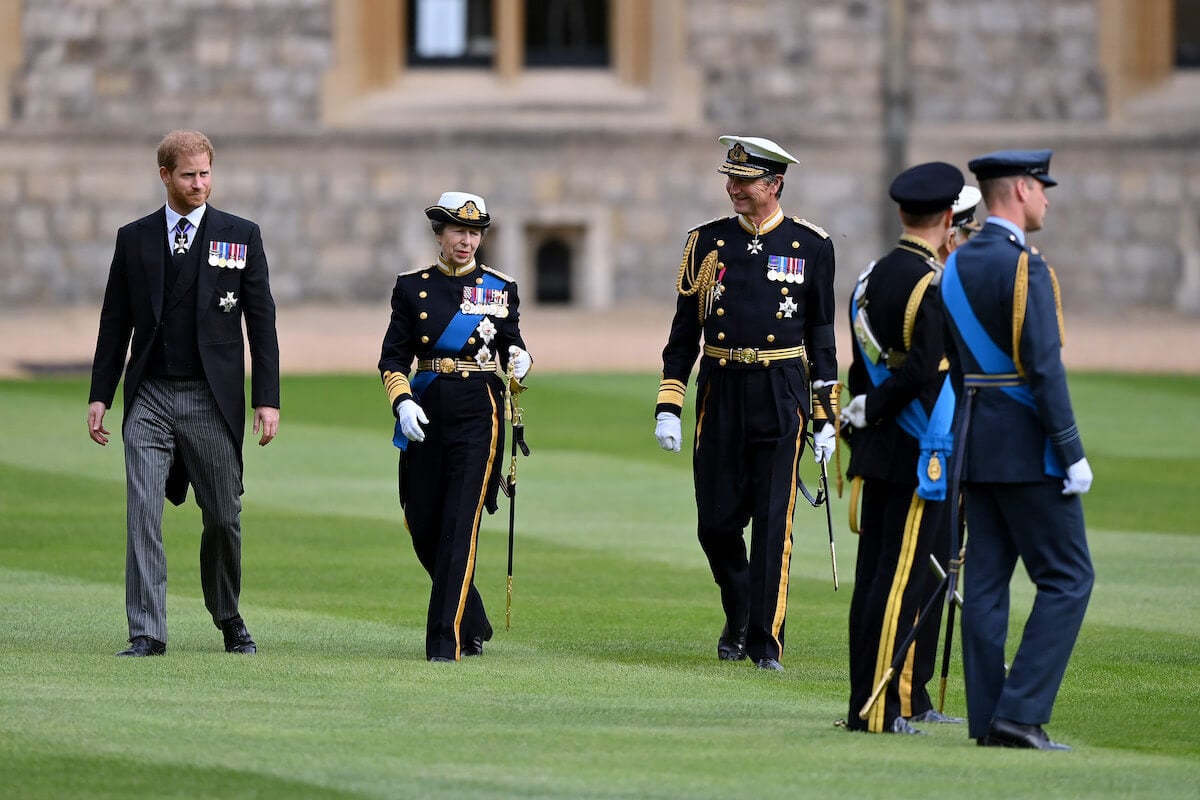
(693, 280)
(910, 311)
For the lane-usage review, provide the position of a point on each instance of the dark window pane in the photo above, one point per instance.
(450, 33)
(1187, 33)
(554, 272)
(566, 33)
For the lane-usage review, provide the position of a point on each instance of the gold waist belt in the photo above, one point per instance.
(447, 365)
(753, 355)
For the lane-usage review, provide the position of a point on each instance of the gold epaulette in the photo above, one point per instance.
(817, 229)
(497, 273)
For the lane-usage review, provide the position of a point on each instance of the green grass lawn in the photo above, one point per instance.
(607, 685)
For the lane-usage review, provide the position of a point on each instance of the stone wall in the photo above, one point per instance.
(341, 208)
(133, 65)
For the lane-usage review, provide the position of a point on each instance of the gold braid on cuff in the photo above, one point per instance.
(396, 385)
(825, 403)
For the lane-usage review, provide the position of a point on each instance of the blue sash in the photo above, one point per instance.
(450, 343)
(991, 359)
(932, 431)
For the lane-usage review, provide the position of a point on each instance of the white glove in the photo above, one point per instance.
(668, 431)
(519, 360)
(1079, 478)
(856, 413)
(411, 416)
(823, 443)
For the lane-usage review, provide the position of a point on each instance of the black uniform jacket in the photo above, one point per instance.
(1007, 440)
(424, 301)
(901, 301)
(744, 306)
(133, 306)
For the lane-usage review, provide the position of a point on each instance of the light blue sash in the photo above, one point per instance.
(991, 359)
(932, 431)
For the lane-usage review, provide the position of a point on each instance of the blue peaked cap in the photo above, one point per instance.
(1003, 163)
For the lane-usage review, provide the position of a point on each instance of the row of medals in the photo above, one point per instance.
(222, 254)
(231, 263)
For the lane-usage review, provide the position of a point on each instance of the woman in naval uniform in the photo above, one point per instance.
(453, 323)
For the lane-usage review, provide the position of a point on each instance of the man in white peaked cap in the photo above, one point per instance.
(756, 305)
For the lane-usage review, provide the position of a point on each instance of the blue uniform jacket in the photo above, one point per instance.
(1007, 439)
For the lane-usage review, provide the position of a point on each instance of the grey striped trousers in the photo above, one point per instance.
(168, 420)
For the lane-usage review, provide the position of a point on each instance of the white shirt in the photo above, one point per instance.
(194, 216)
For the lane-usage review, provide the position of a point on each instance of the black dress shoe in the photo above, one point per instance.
(933, 715)
(237, 638)
(900, 725)
(144, 646)
(1006, 733)
(732, 644)
(770, 664)
(472, 646)
(440, 660)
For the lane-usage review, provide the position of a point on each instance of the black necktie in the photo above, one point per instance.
(181, 236)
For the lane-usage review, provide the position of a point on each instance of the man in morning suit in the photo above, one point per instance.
(899, 421)
(1025, 467)
(181, 283)
(758, 287)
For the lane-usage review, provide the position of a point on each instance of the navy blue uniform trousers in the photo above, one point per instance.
(1044, 528)
(749, 437)
(444, 489)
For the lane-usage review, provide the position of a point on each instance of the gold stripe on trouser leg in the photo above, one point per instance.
(785, 564)
(703, 406)
(487, 478)
(891, 614)
(905, 679)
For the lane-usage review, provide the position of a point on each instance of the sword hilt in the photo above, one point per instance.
(874, 698)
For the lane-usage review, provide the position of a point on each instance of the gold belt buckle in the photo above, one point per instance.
(445, 365)
(746, 355)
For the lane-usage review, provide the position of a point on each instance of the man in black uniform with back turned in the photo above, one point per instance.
(759, 287)
(901, 407)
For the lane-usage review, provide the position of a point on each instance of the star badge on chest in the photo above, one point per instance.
(228, 302)
(754, 245)
(486, 330)
(787, 306)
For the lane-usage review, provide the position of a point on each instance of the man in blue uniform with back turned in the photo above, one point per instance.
(1024, 468)
(759, 287)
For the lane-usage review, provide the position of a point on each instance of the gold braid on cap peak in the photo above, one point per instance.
(695, 280)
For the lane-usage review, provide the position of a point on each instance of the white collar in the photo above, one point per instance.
(194, 216)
